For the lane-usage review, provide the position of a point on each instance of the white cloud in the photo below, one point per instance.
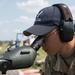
(74, 17)
(6, 31)
(6, 22)
(21, 19)
(17, 31)
(32, 6)
(72, 7)
(2, 22)
(25, 19)
(11, 31)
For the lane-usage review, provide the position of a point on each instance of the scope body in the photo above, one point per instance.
(21, 57)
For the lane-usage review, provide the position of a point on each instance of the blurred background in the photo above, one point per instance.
(18, 15)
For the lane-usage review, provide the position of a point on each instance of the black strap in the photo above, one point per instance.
(66, 63)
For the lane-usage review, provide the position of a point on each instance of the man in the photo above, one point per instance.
(55, 24)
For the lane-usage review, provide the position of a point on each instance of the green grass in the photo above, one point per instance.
(41, 55)
(3, 48)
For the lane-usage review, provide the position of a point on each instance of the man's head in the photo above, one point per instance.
(51, 17)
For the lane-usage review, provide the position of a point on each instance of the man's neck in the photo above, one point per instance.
(68, 49)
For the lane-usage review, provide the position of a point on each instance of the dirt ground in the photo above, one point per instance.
(31, 72)
(20, 72)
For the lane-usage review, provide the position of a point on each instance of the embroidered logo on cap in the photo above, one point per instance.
(38, 18)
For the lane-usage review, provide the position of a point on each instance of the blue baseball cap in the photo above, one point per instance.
(47, 19)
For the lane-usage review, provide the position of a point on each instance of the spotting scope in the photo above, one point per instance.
(21, 57)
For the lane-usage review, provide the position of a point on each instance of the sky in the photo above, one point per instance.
(18, 15)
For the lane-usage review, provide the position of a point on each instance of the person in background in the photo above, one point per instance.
(55, 24)
(11, 46)
(30, 40)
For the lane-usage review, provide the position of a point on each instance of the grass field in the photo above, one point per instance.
(3, 48)
(41, 55)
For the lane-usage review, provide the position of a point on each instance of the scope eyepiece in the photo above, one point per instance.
(37, 43)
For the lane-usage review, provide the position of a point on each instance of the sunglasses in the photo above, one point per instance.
(46, 36)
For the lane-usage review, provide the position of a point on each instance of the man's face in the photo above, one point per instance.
(52, 43)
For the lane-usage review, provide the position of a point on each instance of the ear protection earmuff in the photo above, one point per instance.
(66, 27)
